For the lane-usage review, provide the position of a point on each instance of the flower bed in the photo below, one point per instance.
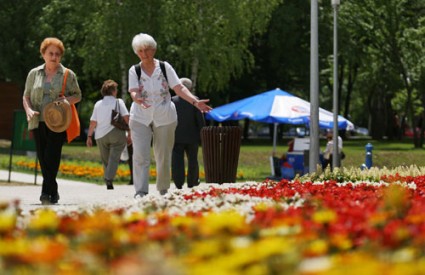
(94, 171)
(286, 227)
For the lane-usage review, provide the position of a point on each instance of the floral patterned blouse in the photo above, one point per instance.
(155, 90)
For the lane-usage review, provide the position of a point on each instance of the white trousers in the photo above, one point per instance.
(162, 139)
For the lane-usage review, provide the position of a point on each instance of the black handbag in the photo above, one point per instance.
(117, 120)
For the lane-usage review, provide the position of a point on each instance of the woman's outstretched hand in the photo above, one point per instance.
(202, 105)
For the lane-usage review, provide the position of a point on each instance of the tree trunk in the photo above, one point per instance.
(390, 125)
(421, 140)
(352, 75)
(194, 74)
(377, 114)
(340, 83)
(124, 73)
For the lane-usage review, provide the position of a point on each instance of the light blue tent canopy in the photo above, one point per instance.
(275, 106)
(278, 107)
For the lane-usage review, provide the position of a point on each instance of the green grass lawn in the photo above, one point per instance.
(254, 155)
(254, 162)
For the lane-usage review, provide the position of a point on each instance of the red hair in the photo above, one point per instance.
(51, 41)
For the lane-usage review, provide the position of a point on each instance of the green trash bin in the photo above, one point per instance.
(220, 148)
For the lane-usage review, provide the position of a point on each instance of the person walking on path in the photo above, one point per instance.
(44, 84)
(110, 140)
(328, 153)
(153, 116)
(187, 139)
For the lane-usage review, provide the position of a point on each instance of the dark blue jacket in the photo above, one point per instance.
(189, 122)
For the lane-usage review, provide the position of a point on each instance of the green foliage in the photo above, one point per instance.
(233, 49)
(19, 38)
(387, 51)
(284, 59)
(214, 34)
(209, 40)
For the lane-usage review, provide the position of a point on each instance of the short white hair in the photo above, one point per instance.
(142, 40)
(186, 82)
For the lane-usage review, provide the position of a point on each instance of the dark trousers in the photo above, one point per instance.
(49, 151)
(329, 162)
(130, 161)
(178, 166)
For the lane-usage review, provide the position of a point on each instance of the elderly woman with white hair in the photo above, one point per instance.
(153, 116)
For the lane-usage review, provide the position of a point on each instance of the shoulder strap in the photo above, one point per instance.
(161, 65)
(65, 77)
(138, 70)
(164, 72)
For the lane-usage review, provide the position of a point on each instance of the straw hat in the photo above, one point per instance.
(57, 115)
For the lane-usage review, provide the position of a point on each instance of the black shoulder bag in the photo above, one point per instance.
(117, 120)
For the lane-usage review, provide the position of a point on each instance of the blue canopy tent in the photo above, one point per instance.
(275, 106)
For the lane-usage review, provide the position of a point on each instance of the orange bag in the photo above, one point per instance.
(73, 130)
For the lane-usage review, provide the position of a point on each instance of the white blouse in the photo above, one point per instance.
(155, 90)
(102, 114)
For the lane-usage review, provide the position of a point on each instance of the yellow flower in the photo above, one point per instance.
(7, 221)
(324, 216)
(44, 219)
(183, 221)
(262, 206)
(396, 200)
(13, 247)
(44, 250)
(230, 221)
(272, 246)
(134, 217)
(401, 233)
(317, 247)
(206, 248)
(378, 218)
(341, 242)
(260, 257)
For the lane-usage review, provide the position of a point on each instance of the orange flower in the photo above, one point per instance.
(43, 250)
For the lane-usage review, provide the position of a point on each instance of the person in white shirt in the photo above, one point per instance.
(153, 117)
(110, 140)
(328, 153)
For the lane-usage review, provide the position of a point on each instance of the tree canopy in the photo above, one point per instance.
(234, 49)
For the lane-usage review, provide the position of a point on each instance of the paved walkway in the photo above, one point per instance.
(74, 195)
